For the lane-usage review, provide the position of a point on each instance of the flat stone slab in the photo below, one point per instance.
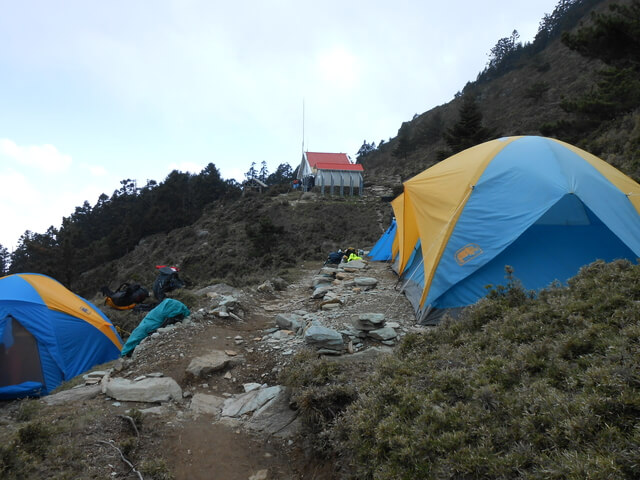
(249, 402)
(365, 282)
(211, 362)
(384, 333)
(202, 403)
(353, 265)
(73, 395)
(323, 337)
(153, 390)
(289, 321)
(320, 291)
(373, 318)
(276, 417)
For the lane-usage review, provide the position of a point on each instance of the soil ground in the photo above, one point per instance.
(177, 444)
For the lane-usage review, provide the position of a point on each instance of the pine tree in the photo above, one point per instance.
(4, 261)
(468, 131)
(252, 172)
(264, 172)
(404, 144)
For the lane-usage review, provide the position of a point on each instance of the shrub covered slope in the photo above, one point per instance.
(544, 387)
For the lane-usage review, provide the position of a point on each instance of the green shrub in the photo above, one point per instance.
(34, 438)
(28, 410)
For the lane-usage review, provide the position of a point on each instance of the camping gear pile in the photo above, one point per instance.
(126, 297)
(343, 256)
(48, 335)
(541, 206)
(131, 296)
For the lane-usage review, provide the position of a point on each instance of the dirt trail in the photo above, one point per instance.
(200, 448)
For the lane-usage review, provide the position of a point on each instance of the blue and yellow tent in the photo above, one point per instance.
(48, 335)
(383, 249)
(542, 206)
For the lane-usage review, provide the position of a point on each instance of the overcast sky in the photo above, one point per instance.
(92, 93)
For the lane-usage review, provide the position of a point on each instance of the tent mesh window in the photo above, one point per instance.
(19, 357)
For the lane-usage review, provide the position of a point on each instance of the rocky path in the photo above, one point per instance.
(207, 388)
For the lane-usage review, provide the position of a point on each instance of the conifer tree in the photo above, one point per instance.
(468, 131)
(4, 260)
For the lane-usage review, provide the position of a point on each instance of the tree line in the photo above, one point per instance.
(113, 226)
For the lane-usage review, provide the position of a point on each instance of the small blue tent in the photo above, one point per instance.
(48, 335)
(381, 251)
(542, 206)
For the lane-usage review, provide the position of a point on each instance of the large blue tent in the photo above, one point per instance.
(539, 205)
(48, 335)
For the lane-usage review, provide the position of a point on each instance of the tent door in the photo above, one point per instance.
(19, 356)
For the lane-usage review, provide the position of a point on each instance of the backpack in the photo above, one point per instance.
(166, 281)
(334, 258)
(126, 296)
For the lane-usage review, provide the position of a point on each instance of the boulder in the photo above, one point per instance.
(206, 404)
(353, 265)
(323, 337)
(320, 292)
(146, 390)
(212, 362)
(367, 283)
(249, 401)
(74, 395)
(369, 321)
(289, 321)
(384, 333)
(276, 417)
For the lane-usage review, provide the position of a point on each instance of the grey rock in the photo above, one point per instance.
(328, 271)
(365, 282)
(321, 280)
(353, 265)
(206, 404)
(331, 306)
(320, 292)
(289, 321)
(249, 401)
(369, 321)
(248, 387)
(384, 333)
(212, 362)
(323, 337)
(146, 390)
(73, 395)
(276, 417)
(372, 318)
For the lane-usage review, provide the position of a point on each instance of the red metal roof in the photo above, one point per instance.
(356, 167)
(314, 158)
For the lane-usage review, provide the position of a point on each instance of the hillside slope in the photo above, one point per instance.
(519, 102)
(249, 240)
